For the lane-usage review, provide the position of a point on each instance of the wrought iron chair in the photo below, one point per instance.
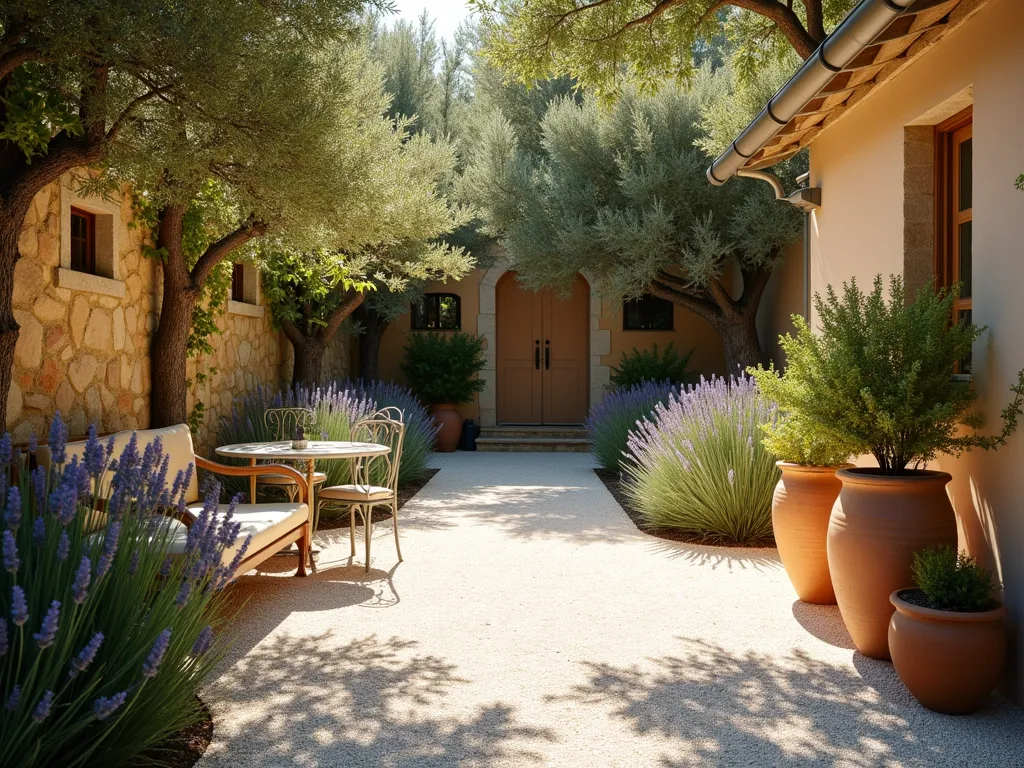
(281, 424)
(374, 479)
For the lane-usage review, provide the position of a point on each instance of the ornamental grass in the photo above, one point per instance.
(611, 420)
(698, 465)
(104, 636)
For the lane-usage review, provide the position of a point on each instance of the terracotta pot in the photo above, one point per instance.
(877, 524)
(950, 661)
(801, 507)
(450, 423)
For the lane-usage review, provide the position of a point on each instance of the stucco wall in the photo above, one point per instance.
(85, 340)
(860, 231)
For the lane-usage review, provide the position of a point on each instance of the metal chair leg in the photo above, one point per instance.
(368, 531)
(394, 522)
(352, 528)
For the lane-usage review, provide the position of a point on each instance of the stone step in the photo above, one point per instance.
(539, 444)
(519, 431)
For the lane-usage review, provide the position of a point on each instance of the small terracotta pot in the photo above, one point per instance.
(949, 661)
(450, 423)
(877, 524)
(801, 507)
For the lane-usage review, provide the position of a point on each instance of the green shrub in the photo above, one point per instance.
(443, 368)
(878, 379)
(698, 464)
(610, 422)
(953, 581)
(104, 638)
(642, 365)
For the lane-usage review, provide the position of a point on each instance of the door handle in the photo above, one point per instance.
(536, 355)
(547, 355)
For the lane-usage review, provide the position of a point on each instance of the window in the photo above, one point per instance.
(437, 312)
(954, 199)
(83, 241)
(648, 313)
(238, 282)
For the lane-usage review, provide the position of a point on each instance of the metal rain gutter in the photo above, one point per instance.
(853, 35)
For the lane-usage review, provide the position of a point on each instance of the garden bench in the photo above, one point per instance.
(273, 526)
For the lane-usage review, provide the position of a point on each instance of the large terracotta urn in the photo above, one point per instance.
(801, 508)
(949, 661)
(449, 424)
(877, 524)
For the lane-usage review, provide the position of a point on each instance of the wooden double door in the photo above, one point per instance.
(542, 354)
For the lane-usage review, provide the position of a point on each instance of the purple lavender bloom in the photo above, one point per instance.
(48, 631)
(95, 455)
(82, 578)
(63, 547)
(86, 655)
(165, 567)
(104, 707)
(39, 487)
(156, 654)
(58, 439)
(109, 549)
(133, 564)
(11, 560)
(12, 701)
(39, 531)
(203, 642)
(183, 593)
(33, 442)
(5, 642)
(42, 710)
(5, 449)
(12, 515)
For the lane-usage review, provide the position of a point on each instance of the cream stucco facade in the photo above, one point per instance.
(874, 167)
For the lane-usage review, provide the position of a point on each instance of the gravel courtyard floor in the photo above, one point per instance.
(532, 624)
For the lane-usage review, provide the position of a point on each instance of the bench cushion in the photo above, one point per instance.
(264, 522)
(352, 492)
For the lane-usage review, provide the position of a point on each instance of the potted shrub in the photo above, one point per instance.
(441, 370)
(804, 496)
(879, 378)
(947, 636)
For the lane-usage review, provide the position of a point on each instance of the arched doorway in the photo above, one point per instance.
(542, 356)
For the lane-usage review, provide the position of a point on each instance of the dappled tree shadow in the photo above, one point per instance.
(724, 708)
(729, 558)
(369, 702)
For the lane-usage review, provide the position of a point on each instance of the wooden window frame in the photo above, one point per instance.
(89, 262)
(238, 282)
(417, 322)
(671, 316)
(949, 135)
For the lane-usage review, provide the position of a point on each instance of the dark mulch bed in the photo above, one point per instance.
(612, 481)
(184, 749)
(405, 492)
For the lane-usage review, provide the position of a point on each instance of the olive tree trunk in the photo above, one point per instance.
(309, 349)
(369, 342)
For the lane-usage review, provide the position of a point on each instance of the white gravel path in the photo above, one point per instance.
(532, 624)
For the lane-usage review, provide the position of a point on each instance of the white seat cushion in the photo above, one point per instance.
(352, 492)
(318, 477)
(264, 522)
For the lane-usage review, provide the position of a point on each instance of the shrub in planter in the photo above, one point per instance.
(642, 365)
(948, 636)
(104, 638)
(610, 421)
(442, 371)
(698, 464)
(878, 377)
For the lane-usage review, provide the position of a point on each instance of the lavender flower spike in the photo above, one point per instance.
(86, 655)
(11, 560)
(42, 710)
(19, 606)
(156, 654)
(104, 707)
(63, 547)
(5, 642)
(203, 641)
(95, 454)
(39, 531)
(12, 701)
(109, 549)
(58, 439)
(12, 516)
(82, 578)
(5, 449)
(48, 631)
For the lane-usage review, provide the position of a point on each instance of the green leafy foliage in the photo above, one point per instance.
(611, 421)
(443, 368)
(953, 581)
(104, 636)
(642, 365)
(878, 379)
(698, 466)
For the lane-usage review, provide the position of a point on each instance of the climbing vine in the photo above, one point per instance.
(197, 235)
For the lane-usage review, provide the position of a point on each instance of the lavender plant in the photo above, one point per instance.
(699, 465)
(104, 635)
(610, 421)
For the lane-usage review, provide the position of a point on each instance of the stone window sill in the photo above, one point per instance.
(243, 308)
(83, 281)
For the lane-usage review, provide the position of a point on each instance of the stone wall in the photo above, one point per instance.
(85, 339)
